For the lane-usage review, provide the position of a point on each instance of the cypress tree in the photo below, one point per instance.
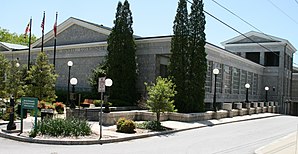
(178, 61)
(121, 59)
(197, 57)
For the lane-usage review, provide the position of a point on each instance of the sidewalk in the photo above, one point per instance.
(109, 134)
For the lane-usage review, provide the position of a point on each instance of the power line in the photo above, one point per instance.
(283, 11)
(236, 30)
(296, 1)
(241, 19)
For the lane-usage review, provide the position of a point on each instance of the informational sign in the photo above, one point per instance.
(101, 84)
(31, 104)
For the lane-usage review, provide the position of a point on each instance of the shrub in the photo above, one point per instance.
(62, 127)
(97, 103)
(59, 107)
(120, 122)
(152, 125)
(125, 126)
(5, 116)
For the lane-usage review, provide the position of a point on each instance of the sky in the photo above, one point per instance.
(155, 17)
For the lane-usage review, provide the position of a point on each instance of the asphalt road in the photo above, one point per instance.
(235, 138)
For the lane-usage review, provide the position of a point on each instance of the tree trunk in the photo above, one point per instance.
(157, 116)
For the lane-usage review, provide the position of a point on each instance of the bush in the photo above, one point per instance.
(62, 127)
(5, 116)
(125, 126)
(97, 103)
(120, 122)
(152, 125)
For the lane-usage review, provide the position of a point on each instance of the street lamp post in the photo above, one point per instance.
(69, 64)
(266, 95)
(73, 82)
(247, 86)
(11, 125)
(215, 72)
(108, 83)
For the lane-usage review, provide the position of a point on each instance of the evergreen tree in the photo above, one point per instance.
(42, 79)
(197, 57)
(3, 73)
(99, 71)
(121, 59)
(178, 61)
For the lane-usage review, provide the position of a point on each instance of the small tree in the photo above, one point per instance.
(15, 80)
(160, 96)
(97, 72)
(3, 73)
(42, 79)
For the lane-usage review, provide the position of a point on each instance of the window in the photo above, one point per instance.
(249, 80)
(243, 82)
(255, 85)
(253, 56)
(209, 74)
(271, 58)
(227, 79)
(219, 77)
(163, 70)
(236, 80)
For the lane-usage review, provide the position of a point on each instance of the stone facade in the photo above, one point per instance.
(85, 44)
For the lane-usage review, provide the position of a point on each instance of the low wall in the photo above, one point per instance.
(139, 115)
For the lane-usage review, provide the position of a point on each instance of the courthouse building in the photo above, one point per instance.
(258, 59)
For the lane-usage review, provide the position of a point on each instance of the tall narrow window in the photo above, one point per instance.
(227, 79)
(208, 83)
(243, 81)
(236, 80)
(219, 81)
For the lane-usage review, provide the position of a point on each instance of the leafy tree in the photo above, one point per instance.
(160, 96)
(197, 57)
(99, 71)
(178, 61)
(3, 72)
(6, 36)
(15, 80)
(42, 79)
(121, 58)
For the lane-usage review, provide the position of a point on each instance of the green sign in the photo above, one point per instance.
(31, 104)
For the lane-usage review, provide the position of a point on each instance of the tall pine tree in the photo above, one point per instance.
(197, 56)
(121, 59)
(41, 79)
(188, 62)
(178, 62)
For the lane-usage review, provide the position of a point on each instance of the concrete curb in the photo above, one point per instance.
(104, 141)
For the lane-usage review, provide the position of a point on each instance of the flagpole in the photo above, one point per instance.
(55, 42)
(29, 43)
(42, 26)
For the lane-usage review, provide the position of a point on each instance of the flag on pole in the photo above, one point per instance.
(55, 26)
(27, 30)
(43, 22)
(42, 30)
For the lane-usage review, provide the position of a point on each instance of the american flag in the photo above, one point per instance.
(43, 22)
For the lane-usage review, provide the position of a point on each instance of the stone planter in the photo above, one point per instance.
(46, 113)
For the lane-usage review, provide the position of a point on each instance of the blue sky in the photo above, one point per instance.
(155, 17)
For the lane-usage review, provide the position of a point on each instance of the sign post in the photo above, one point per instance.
(101, 89)
(29, 103)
